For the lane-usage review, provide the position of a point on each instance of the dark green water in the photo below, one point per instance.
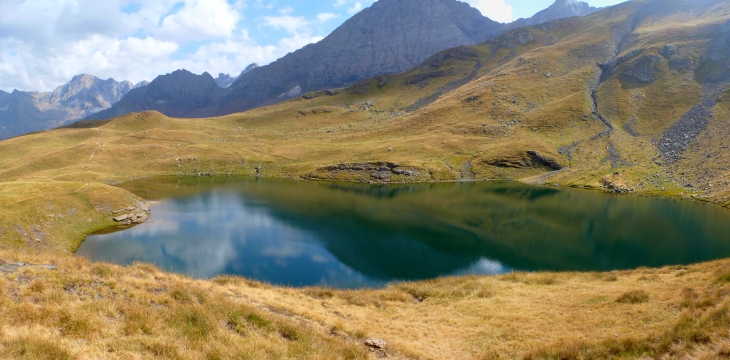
(347, 235)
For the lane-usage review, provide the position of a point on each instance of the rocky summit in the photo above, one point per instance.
(180, 93)
(558, 10)
(226, 80)
(23, 112)
(389, 37)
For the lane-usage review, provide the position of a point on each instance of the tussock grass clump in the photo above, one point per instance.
(34, 348)
(102, 271)
(633, 297)
(192, 322)
(724, 278)
(531, 278)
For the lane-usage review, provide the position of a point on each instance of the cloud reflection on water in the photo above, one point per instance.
(344, 235)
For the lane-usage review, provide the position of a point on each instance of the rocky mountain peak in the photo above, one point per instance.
(22, 112)
(558, 10)
(250, 67)
(226, 80)
(390, 36)
(180, 93)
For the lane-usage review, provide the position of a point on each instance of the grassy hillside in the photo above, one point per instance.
(87, 311)
(630, 99)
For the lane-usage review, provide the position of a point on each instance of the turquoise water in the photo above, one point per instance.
(349, 235)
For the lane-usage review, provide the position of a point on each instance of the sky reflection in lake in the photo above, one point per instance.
(349, 235)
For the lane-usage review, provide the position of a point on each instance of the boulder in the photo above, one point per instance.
(376, 343)
(122, 218)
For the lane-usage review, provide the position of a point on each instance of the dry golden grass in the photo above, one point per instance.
(55, 188)
(87, 310)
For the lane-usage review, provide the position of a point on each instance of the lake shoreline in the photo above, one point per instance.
(492, 197)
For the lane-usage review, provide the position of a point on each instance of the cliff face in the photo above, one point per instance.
(389, 37)
(23, 112)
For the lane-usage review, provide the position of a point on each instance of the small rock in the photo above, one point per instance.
(11, 268)
(122, 218)
(376, 343)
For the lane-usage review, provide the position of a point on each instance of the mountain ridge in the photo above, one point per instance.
(23, 111)
(364, 46)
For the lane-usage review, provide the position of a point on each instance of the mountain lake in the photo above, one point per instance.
(297, 233)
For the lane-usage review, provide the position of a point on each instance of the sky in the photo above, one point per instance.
(44, 43)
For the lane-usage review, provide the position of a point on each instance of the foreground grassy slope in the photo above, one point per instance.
(512, 108)
(85, 310)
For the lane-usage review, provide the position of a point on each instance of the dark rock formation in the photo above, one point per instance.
(544, 160)
(179, 94)
(23, 112)
(643, 70)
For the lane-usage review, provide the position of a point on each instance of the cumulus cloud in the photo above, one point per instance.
(292, 24)
(355, 8)
(497, 10)
(327, 16)
(44, 43)
(200, 20)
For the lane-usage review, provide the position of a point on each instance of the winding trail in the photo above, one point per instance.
(96, 152)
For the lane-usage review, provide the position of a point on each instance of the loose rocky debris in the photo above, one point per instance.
(11, 268)
(678, 138)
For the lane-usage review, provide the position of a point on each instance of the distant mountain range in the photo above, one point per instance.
(389, 37)
(23, 112)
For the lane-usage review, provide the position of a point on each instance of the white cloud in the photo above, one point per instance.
(44, 43)
(292, 24)
(355, 8)
(200, 20)
(339, 3)
(497, 10)
(327, 16)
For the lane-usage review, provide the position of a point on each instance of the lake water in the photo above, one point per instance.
(349, 235)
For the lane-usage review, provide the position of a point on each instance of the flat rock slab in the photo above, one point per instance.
(11, 268)
(376, 343)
